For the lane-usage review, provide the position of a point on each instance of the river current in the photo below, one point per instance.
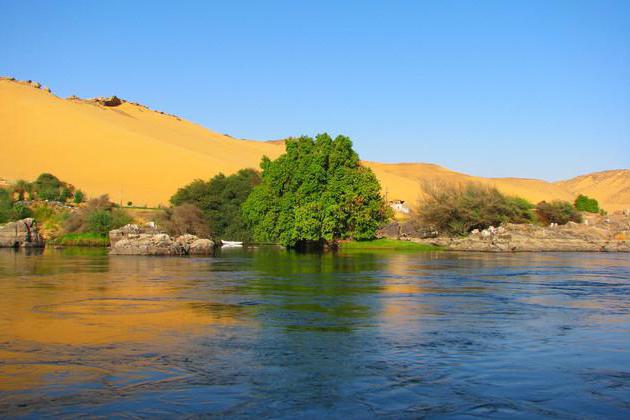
(269, 333)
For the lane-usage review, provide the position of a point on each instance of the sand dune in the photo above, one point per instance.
(140, 155)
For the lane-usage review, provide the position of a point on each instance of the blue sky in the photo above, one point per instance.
(493, 88)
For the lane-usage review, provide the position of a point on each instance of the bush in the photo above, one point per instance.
(46, 187)
(6, 206)
(560, 212)
(79, 197)
(99, 216)
(184, 219)
(20, 211)
(458, 209)
(584, 203)
(11, 211)
(221, 199)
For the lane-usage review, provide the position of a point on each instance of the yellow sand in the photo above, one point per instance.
(143, 156)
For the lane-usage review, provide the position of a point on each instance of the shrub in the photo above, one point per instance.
(560, 212)
(458, 209)
(6, 204)
(584, 203)
(46, 187)
(184, 219)
(119, 218)
(221, 199)
(98, 216)
(99, 221)
(20, 211)
(79, 197)
(9, 210)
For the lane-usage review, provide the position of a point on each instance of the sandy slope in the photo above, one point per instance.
(129, 151)
(139, 155)
(612, 188)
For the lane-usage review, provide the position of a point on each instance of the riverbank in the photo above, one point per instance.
(596, 234)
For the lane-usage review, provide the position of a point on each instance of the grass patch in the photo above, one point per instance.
(387, 244)
(82, 239)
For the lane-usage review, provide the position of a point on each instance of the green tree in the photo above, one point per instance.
(47, 187)
(585, 203)
(317, 191)
(220, 200)
(79, 196)
(6, 206)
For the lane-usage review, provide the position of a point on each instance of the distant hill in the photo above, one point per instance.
(136, 154)
(611, 188)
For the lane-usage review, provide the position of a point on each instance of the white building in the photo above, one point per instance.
(399, 206)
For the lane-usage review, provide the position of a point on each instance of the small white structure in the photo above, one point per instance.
(231, 244)
(399, 206)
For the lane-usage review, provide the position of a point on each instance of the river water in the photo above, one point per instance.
(270, 333)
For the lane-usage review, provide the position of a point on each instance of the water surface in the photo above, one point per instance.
(269, 333)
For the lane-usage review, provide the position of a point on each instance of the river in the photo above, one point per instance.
(270, 333)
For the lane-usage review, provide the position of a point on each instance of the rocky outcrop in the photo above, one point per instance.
(149, 240)
(21, 234)
(111, 101)
(597, 233)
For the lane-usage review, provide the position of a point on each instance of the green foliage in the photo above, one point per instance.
(99, 221)
(119, 218)
(560, 212)
(79, 197)
(458, 209)
(585, 203)
(6, 206)
(45, 187)
(99, 216)
(20, 211)
(221, 199)
(317, 191)
(10, 210)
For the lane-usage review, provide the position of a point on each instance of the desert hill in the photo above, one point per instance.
(136, 154)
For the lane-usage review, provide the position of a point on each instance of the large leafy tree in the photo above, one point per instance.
(317, 191)
(220, 199)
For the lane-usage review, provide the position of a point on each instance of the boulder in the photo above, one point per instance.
(573, 237)
(131, 229)
(21, 234)
(111, 101)
(148, 240)
(201, 247)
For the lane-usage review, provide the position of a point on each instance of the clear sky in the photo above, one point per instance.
(536, 89)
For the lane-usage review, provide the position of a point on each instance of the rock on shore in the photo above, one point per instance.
(21, 234)
(148, 240)
(597, 233)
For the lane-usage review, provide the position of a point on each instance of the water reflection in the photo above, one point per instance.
(274, 333)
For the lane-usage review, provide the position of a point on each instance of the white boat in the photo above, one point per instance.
(231, 243)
